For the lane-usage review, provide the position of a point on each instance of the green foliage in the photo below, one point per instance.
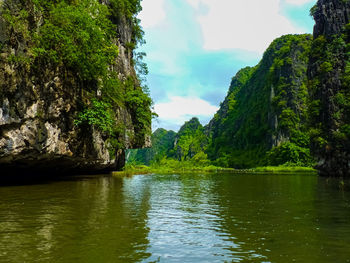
(171, 166)
(263, 103)
(126, 8)
(284, 169)
(139, 103)
(318, 48)
(188, 146)
(18, 59)
(288, 119)
(241, 159)
(78, 39)
(191, 140)
(346, 76)
(121, 9)
(141, 67)
(99, 115)
(200, 159)
(345, 129)
(329, 107)
(166, 166)
(291, 153)
(200, 164)
(77, 35)
(162, 146)
(17, 22)
(326, 67)
(113, 89)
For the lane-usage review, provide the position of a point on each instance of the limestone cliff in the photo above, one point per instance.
(329, 83)
(41, 101)
(265, 109)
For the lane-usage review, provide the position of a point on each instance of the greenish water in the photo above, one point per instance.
(176, 218)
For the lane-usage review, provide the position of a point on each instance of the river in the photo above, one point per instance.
(176, 218)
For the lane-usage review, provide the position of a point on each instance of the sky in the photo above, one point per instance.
(195, 47)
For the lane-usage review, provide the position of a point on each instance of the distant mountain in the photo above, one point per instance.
(190, 140)
(184, 145)
(295, 101)
(162, 145)
(263, 117)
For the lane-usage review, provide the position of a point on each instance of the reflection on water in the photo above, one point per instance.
(88, 220)
(173, 218)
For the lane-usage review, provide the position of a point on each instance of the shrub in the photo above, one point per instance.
(290, 153)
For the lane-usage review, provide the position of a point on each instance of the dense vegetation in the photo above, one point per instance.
(295, 101)
(190, 141)
(329, 82)
(263, 119)
(162, 145)
(188, 144)
(82, 40)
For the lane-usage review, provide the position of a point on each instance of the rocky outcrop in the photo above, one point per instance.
(265, 108)
(330, 16)
(40, 103)
(328, 73)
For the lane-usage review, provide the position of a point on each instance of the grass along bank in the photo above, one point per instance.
(170, 166)
(284, 169)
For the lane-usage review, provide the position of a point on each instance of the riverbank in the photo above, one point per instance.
(130, 170)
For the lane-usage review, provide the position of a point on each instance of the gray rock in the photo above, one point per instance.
(37, 112)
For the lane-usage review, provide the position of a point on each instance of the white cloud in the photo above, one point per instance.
(246, 24)
(298, 2)
(180, 109)
(194, 3)
(152, 13)
(187, 39)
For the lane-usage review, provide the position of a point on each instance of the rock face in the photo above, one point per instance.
(328, 74)
(265, 108)
(39, 106)
(331, 16)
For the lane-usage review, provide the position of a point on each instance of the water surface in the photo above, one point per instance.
(176, 218)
